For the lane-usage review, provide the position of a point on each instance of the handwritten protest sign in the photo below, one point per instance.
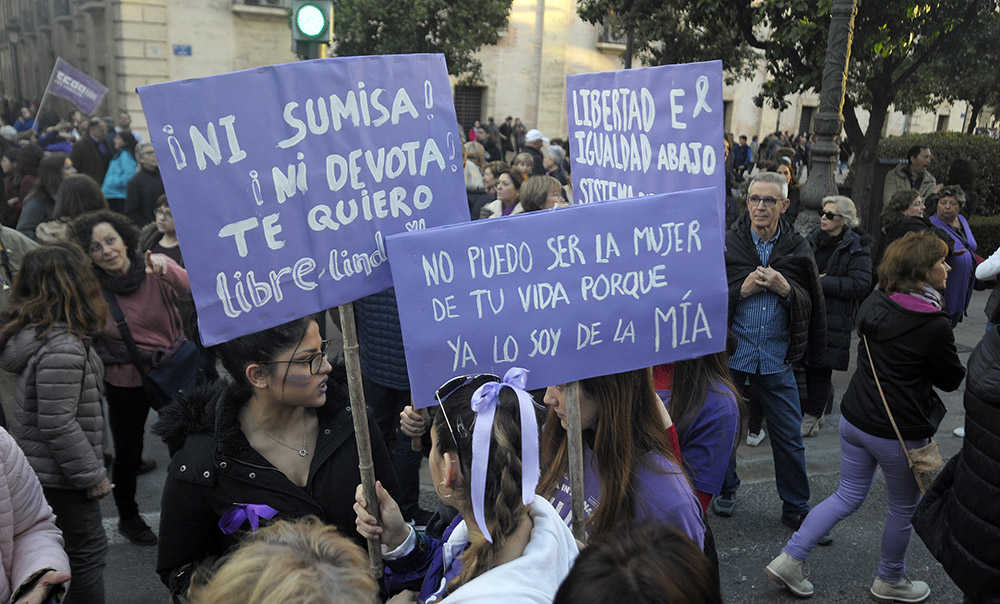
(569, 294)
(642, 131)
(284, 181)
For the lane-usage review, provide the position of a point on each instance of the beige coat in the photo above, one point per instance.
(898, 179)
(17, 245)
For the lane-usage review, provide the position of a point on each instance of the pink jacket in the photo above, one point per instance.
(29, 539)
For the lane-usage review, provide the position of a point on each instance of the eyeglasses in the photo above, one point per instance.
(830, 215)
(754, 200)
(315, 360)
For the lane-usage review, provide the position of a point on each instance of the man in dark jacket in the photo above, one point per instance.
(959, 519)
(776, 315)
(533, 143)
(741, 157)
(144, 188)
(91, 154)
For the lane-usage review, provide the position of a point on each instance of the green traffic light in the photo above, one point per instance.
(310, 20)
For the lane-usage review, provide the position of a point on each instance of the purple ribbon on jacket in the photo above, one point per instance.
(232, 520)
(484, 403)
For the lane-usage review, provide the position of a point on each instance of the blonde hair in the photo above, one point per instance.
(536, 190)
(845, 207)
(521, 158)
(475, 152)
(292, 562)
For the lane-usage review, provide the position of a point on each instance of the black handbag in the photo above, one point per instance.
(174, 374)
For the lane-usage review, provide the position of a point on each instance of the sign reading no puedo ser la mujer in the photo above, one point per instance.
(569, 294)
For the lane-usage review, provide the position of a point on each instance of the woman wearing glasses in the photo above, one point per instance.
(844, 259)
(484, 463)
(631, 472)
(277, 441)
(145, 290)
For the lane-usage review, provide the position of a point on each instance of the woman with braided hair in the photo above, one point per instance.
(506, 542)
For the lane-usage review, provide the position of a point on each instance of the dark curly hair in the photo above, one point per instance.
(83, 228)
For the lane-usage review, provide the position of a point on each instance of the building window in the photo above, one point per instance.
(608, 34)
(727, 113)
(469, 105)
(942, 123)
(267, 3)
(806, 120)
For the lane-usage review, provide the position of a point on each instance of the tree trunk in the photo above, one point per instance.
(976, 107)
(867, 200)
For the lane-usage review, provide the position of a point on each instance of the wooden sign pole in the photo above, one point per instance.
(574, 432)
(352, 361)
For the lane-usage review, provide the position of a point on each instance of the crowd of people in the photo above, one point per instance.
(259, 503)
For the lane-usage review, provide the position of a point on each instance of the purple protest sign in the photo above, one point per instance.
(76, 87)
(284, 181)
(568, 294)
(642, 131)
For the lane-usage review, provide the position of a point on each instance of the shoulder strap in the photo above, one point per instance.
(892, 420)
(119, 316)
(5, 261)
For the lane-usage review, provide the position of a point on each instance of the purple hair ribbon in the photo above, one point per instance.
(484, 403)
(233, 519)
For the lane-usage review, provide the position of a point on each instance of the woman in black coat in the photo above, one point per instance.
(959, 519)
(902, 214)
(275, 443)
(844, 260)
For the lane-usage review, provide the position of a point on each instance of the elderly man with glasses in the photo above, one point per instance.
(776, 316)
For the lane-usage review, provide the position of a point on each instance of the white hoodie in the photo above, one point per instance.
(533, 577)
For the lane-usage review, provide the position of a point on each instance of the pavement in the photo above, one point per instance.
(841, 573)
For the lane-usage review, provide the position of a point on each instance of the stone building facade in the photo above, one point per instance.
(130, 43)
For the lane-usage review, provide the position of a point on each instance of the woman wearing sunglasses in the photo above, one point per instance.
(631, 472)
(276, 442)
(484, 463)
(843, 255)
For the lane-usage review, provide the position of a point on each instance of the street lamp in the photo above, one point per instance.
(14, 36)
(829, 119)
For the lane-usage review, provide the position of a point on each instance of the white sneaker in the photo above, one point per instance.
(788, 571)
(959, 431)
(902, 591)
(754, 440)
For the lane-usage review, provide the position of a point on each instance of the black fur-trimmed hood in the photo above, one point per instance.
(189, 414)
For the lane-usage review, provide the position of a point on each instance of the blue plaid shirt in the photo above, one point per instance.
(760, 324)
